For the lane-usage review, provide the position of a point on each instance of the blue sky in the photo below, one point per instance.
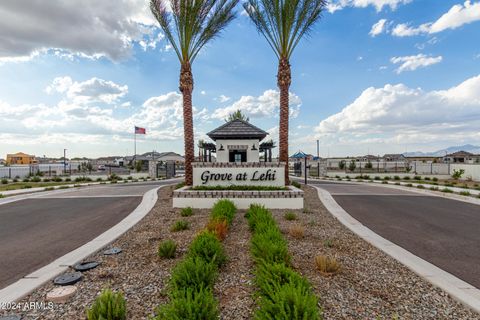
(375, 76)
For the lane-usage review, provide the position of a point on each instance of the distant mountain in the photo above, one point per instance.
(440, 153)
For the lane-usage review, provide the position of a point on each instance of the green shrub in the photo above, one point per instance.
(377, 178)
(396, 178)
(384, 182)
(465, 193)
(49, 188)
(207, 246)
(434, 179)
(46, 180)
(180, 225)
(57, 179)
(129, 178)
(180, 185)
(288, 302)
(166, 249)
(63, 187)
(223, 210)
(296, 184)
(99, 179)
(409, 185)
(427, 179)
(68, 179)
(187, 304)
(457, 174)
(108, 306)
(290, 216)
(417, 178)
(186, 212)
(1, 196)
(386, 178)
(446, 190)
(406, 178)
(36, 179)
(193, 272)
(434, 188)
(271, 275)
(269, 245)
(420, 186)
(4, 181)
(27, 186)
(26, 180)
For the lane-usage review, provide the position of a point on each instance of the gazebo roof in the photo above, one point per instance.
(237, 129)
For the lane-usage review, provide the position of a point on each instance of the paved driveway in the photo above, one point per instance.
(442, 231)
(36, 231)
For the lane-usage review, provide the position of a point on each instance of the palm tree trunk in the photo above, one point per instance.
(186, 88)
(284, 79)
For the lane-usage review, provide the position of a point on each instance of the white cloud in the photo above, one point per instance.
(397, 114)
(412, 63)
(92, 90)
(378, 28)
(335, 5)
(203, 92)
(85, 28)
(457, 16)
(266, 105)
(223, 98)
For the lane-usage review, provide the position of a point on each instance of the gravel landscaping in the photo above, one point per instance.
(368, 285)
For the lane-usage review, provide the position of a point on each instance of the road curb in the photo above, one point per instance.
(29, 283)
(455, 287)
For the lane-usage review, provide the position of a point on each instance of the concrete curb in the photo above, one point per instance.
(27, 284)
(455, 287)
(403, 187)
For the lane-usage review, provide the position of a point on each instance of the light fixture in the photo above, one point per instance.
(253, 147)
(221, 148)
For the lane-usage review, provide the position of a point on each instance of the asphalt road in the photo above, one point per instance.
(441, 231)
(36, 231)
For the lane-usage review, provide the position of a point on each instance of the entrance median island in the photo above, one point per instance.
(238, 173)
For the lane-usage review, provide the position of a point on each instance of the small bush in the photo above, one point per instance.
(465, 193)
(68, 179)
(457, 174)
(398, 184)
(269, 245)
(167, 249)
(446, 190)
(427, 179)
(187, 304)
(289, 302)
(49, 188)
(129, 178)
(15, 180)
(207, 246)
(297, 231)
(108, 305)
(186, 212)
(219, 228)
(296, 184)
(4, 181)
(99, 179)
(409, 185)
(434, 188)
(290, 216)
(376, 178)
(1, 196)
(63, 187)
(224, 210)
(420, 186)
(386, 178)
(27, 187)
(194, 273)
(57, 179)
(46, 180)
(180, 185)
(417, 178)
(36, 179)
(396, 178)
(434, 179)
(384, 182)
(406, 178)
(328, 243)
(327, 265)
(26, 180)
(180, 225)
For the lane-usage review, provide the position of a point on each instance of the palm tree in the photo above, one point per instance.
(283, 23)
(189, 25)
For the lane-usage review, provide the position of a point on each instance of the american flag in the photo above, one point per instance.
(139, 130)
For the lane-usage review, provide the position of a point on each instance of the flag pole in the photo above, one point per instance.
(134, 147)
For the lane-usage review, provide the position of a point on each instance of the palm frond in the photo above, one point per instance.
(284, 23)
(191, 24)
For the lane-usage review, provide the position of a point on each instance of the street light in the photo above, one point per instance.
(64, 161)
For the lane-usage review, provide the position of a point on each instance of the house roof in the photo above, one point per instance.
(460, 154)
(237, 129)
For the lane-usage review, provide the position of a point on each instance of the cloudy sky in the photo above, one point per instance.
(375, 76)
